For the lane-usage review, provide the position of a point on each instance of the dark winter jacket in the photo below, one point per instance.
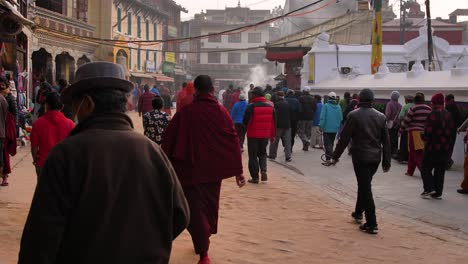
(283, 114)
(12, 105)
(309, 106)
(86, 199)
(439, 135)
(351, 106)
(454, 112)
(259, 118)
(367, 128)
(295, 106)
(145, 103)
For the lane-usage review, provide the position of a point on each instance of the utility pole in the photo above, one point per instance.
(430, 44)
(402, 21)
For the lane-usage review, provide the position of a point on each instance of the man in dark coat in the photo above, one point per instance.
(283, 127)
(295, 109)
(308, 107)
(200, 164)
(371, 145)
(107, 194)
(451, 106)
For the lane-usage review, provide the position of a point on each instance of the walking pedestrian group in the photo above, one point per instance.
(106, 194)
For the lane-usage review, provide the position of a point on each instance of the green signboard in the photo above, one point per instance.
(168, 67)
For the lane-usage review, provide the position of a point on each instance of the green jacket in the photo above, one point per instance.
(404, 110)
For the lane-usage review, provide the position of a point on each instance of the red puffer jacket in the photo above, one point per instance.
(259, 118)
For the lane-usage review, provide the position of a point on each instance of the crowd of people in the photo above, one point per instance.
(99, 180)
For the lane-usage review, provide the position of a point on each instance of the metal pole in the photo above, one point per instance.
(402, 23)
(430, 44)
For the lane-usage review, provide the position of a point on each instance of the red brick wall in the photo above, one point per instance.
(393, 37)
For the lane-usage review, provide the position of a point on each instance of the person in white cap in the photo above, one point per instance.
(330, 121)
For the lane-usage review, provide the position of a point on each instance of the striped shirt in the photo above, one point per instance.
(416, 117)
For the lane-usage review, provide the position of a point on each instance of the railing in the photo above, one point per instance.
(55, 21)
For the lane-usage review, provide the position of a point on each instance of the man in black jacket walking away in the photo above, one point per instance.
(308, 105)
(296, 111)
(451, 106)
(283, 127)
(366, 127)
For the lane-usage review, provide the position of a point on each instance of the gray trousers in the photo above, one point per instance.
(316, 138)
(285, 135)
(304, 130)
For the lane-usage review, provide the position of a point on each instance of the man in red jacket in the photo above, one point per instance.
(49, 130)
(145, 103)
(259, 118)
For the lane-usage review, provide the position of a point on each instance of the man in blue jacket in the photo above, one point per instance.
(316, 140)
(330, 121)
(237, 115)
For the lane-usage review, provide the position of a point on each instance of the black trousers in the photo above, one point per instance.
(393, 140)
(329, 142)
(365, 200)
(403, 153)
(293, 132)
(433, 175)
(257, 156)
(241, 133)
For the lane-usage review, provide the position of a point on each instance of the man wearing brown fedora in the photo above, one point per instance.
(106, 193)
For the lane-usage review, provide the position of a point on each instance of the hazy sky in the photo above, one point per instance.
(439, 8)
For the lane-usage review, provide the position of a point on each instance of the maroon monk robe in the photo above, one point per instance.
(203, 146)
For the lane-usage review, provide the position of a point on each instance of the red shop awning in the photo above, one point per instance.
(162, 77)
(284, 56)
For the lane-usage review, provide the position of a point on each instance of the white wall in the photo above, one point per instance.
(224, 44)
(325, 60)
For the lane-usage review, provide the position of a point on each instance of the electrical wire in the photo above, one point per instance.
(226, 32)
(152, 43)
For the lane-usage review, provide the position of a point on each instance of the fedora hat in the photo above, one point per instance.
(98, 75)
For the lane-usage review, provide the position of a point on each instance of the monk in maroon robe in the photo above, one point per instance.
(203, 146)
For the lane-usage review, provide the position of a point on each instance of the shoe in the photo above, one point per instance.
(449, 164)
(357, 217)
(327, 163)
(462, 191)
(427, 195)
(436, 196)
(253, 181)
(264, 176)
(288, 160)
(205, 260)
(373, 230)
(271, 158)
(410, 175)
(305, 148)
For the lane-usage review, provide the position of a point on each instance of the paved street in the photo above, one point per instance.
(296, 218)
(395, 192)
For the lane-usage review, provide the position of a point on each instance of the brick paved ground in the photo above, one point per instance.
(287, 220)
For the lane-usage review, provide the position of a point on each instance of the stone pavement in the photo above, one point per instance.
(394, 192)
(290, 219)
